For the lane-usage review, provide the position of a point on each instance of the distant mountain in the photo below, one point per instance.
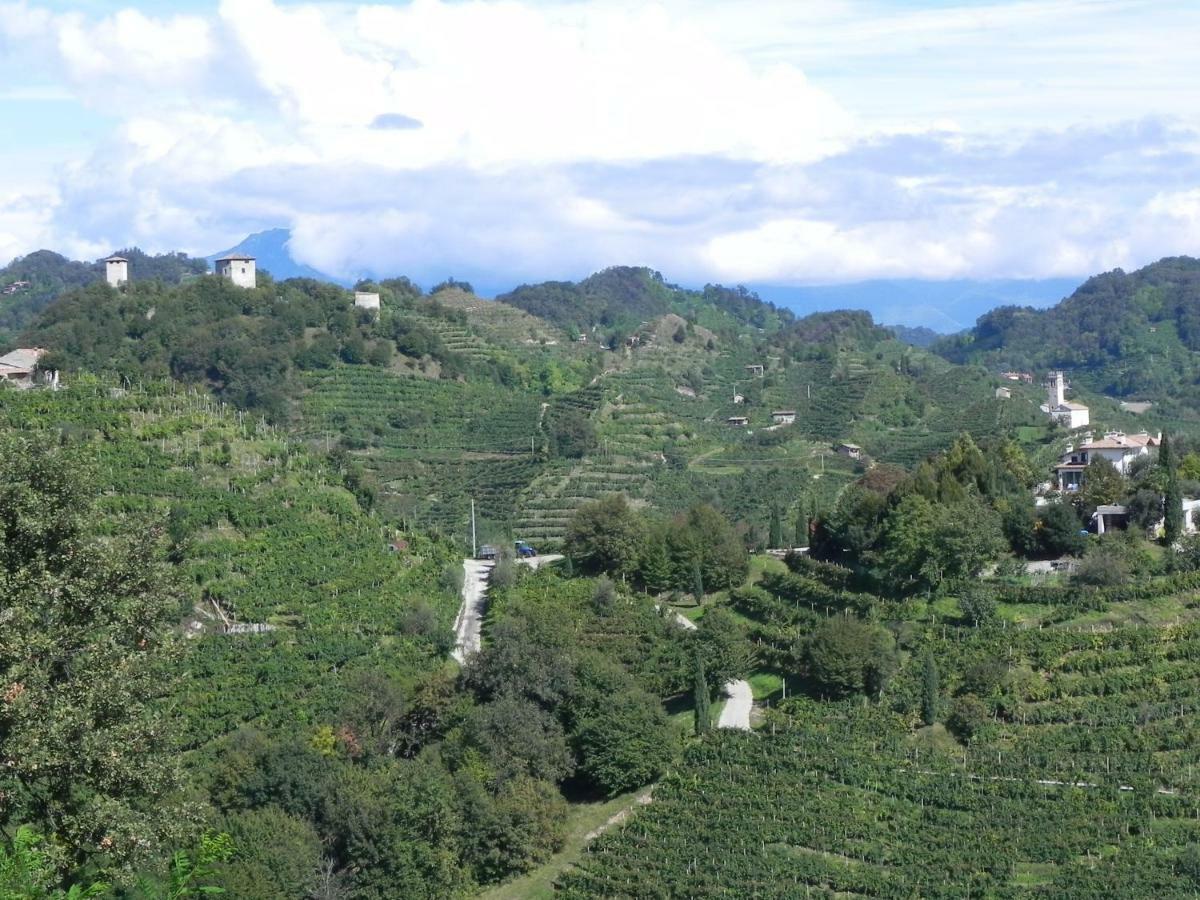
(270, 250)
(1134, 335)
(943, 306)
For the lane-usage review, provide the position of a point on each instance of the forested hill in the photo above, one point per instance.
(619, 299)
(1133, 334)
(49, 275)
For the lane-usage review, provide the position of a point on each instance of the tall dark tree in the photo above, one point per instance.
(697, 583)
(1172, 496)
(929, 689)
(84, 759)
(775, 531)
(700, 697)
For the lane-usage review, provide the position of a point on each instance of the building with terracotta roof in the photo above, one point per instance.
(1118, 448)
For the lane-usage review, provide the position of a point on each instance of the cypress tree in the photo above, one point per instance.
(1172, 497)
(801, 526)
(929, 690)
(697, 583)
(775, 532)
(702, 715)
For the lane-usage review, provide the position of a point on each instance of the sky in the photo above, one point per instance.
(791, 143)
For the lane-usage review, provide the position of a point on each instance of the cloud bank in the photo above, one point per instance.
(510, 141)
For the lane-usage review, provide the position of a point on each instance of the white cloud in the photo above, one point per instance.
(812, 142)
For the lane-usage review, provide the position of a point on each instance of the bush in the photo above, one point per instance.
(967, 715)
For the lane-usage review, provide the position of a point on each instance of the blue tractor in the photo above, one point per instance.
(524, 550)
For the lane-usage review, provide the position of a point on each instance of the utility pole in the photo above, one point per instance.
(474, 552)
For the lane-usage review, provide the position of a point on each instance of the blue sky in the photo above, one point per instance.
(774, 142)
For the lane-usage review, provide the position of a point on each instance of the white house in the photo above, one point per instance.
(783, 416)
(367, 300)
(756, 369)
(1003, 393)
(1069, 415)
(238, 268)
(851, 450)
(116, 270)
(1118, 448)
(738, 421)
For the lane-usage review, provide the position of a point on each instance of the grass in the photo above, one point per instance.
(765, 684)
(583, 820)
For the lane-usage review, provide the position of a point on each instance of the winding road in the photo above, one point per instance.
(736, 712)
(476, 573)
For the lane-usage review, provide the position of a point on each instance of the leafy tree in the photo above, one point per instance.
(978, 605)
(1102, 484)
(849, 656)
(728, 656)
(572, 433)
(508, 830)
(29, 871)
(967, 715)
(84, 648)
(606, 535)
(705, 537)
(929, 689)
(1059, 529)
(1145, 508)
(622, 736)
(517, 737)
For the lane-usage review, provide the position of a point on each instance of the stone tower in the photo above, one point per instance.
(1056, 389)
(116, 270)
(238, 268)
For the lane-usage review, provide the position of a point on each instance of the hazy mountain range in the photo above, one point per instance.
(945, 307)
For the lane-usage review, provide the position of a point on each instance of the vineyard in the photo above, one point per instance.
(1081, 781)
(266, 534)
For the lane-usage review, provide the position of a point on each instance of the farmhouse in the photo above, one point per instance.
(1026, 377)
(756, 370)
(1069, 415)
(851, 450)
(783, 416)
(738, 421)
(1118, 448)
(238, 268)
(20, 367)
(1003, 393)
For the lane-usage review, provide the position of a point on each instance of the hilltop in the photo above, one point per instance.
(555, 394)
(31, 283)
(1132, 335)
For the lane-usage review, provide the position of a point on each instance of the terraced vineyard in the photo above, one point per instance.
(1081, 782)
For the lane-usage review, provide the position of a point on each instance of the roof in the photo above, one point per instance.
(115, 258)
(1129, 442)
(850, 446)
(1069, 405)
(1110, 509)
(784, 412)
(235, 257)
(24, 358)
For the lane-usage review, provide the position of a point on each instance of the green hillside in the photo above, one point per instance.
(1129, 335)
(447, 397)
